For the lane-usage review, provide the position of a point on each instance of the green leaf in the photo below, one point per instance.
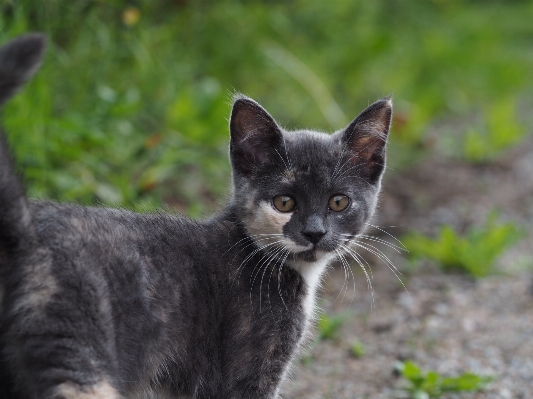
(430, 384)
(476, 252)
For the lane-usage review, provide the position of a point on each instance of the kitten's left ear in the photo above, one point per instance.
(366, 138)
(255, 136)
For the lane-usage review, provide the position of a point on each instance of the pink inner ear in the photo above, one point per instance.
(366, 136)
(367, 149)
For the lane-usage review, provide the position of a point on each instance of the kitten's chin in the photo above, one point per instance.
(312, 255)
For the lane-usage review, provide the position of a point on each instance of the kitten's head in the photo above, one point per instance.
(304, 193)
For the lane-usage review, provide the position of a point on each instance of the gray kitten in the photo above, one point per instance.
(107, 303)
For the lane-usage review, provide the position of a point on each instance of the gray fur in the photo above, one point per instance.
(108, 303)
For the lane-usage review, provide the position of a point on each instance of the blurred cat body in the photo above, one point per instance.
(106, 303)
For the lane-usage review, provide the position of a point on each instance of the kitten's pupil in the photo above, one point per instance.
(338, 202)
(284, 203)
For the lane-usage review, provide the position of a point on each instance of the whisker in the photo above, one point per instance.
(389, 234)
(378, 252)
(338, 163)
(397, 248)
(249, 256)
(369, 276)
(273, 253)
(263, 261)
(284, 163)
(340, 169)
(357, 166)
(242, 239)
(286, 153)
(360, 260)
(345, 283)
(263, 275)
(276, 244)
(384, 258)
(253, 239)
(279, 264)
(266, 257)
(353, 280)
(279, 278)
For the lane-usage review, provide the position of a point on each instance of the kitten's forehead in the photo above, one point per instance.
(308, 159)
(308, 147)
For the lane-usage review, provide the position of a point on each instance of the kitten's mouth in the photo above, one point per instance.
(312, 254)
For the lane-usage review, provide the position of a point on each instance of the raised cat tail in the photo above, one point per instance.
(19, 60)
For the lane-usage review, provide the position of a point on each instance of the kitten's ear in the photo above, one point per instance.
(255, 136)
(366, 138)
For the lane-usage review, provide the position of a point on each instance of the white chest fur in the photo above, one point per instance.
(312, 273)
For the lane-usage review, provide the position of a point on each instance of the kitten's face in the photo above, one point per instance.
(303, 194)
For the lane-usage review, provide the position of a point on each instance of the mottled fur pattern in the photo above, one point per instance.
(107, 303)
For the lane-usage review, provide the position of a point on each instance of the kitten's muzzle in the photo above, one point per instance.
(314, 229)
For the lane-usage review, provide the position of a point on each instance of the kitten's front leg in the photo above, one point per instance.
(262, 368)
(256, 379)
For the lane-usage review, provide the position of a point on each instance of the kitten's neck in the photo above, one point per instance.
(311, 273)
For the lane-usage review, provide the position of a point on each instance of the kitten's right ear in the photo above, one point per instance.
(255, 136)
(19, 60)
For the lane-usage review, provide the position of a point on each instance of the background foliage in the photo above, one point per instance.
(132, 103)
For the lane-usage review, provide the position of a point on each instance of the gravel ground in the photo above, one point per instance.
(448, 323)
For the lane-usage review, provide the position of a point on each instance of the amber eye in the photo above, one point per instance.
(338, 202)
(284, 203)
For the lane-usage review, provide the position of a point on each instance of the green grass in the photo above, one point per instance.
(501, 130)
(357, 349)
(329, 326)
(475, 252)
(131, 105)
(430, 384)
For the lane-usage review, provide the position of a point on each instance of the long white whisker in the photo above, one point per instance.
(344, 287)
(284, 163)
(255, 239)
(279, 278)
(338, 163)
(273, 257)
(242, 239)
(279, 264)
(357, 166)
(249, 256)
(378, 252)
(385, 259)
(267, 264)
(263, 261)
(389, 234)
(360, 260)
(340, 169)
(286, 153)
(353, 279)
(369, 276)
(397, 248)
(266, 256)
